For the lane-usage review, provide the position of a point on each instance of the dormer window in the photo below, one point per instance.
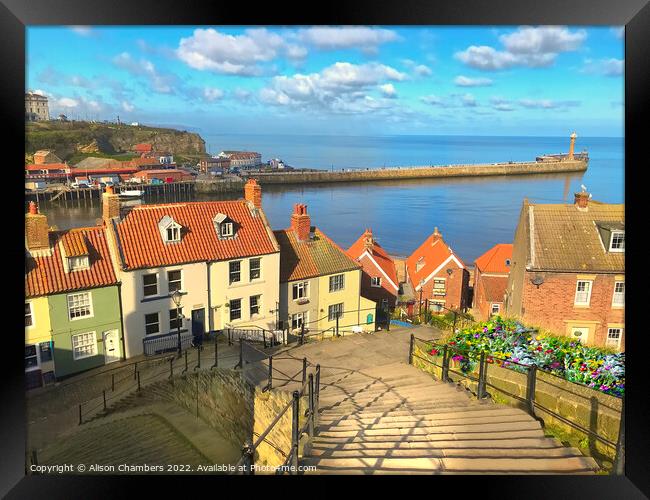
(170, 230)
(508, 262)
(419, 264)
(224, 226)
(79, 263)
(617, 241)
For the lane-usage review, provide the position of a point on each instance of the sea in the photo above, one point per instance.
(472, 214)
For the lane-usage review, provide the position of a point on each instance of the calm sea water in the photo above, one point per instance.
(472, 214)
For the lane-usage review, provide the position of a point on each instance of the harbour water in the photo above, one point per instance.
(472, 213)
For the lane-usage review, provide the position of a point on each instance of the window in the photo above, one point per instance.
(437, 306)
(78, 263)
(495, 308)
(174, 280)
(297, 320)
(29, 319)
(152, 323)
(619, 294)
(235, 271)
(84, 345)
(334, 311)
(31, 357)
(173, 233)
(255, 268)
(508, 262)
(150, 285)
(235, 309)
(614, 337)
(617, 243)
(226, 229)
(255, 304)
(45, 351)
(439, 286)
(300, 290)
(375, 281)
(79, 305)
(583, 293)
(337, 282)
(175, 318)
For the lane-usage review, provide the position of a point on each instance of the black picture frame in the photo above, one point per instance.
(634, 14)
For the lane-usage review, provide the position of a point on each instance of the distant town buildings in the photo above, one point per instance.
(44, 156)
(242, 159)
(491, 272)
(568, 270)
(36, 107)
(214, 164)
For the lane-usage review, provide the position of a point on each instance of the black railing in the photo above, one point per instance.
(254, 333)
(166, 343)
(485, 359)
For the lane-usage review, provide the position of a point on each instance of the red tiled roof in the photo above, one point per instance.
(46, 275)
(383, 260)
(142, 246)
(494, 260)
(47, 166)
(74, 244)
(494, 287)
(433, 255)
(142, 147)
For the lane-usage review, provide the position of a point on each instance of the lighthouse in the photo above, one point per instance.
(572, 145)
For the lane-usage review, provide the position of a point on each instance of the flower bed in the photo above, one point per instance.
(509, 344)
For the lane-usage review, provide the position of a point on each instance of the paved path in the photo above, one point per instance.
(380, 415)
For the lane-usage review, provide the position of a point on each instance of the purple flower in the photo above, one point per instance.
(476, 335)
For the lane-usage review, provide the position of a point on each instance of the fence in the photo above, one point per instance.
(531, 399)
(166, 343)
(254, 333)
(310, 388)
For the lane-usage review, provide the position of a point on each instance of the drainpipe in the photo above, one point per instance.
(119, 297)
(210, 322)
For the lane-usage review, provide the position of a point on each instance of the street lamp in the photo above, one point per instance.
(420, 308)
(177, 296)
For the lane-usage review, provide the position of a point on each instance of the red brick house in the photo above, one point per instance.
(142, 148)
(379, 277)
(491, 272)
(568, 270)
(439, 273)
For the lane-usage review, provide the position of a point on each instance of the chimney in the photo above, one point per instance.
(582, 200)
(300, 222)
(110, 204)
(368, 240)
(36, 230)
(253, 193)
(436, 235)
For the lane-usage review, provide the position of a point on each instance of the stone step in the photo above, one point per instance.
(467, 444)
(387, 398)
(428, 423)
(390, 406)
(404, 410)
(357, 437)
(378, 387)
(451, 452)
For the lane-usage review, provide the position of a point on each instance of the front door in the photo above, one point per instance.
(198, 323)
(111, 346)
(580, 333)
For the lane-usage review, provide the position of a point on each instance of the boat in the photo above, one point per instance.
(131, 193)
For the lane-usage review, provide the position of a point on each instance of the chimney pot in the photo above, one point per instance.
(582, 200)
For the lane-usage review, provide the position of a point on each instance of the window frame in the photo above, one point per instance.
(304, 286)
(258, 304)
(614, 234)
(498, 306)
(175, 230)
(333, 286)
(79, 263)
(330, 312)
(144, 286)
(157, 322)
(226, 225)
(76, 357)
(299, 318)
(575, 297)
(91, 313)
(37, 366)
(231, 272)
(375, 281)
(179, 280)
(32, 321)
(619, 294)
(620, 336)
(258, 269)
(178, 316)
(231, 309)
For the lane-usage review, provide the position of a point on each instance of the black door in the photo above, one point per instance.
(198, 325)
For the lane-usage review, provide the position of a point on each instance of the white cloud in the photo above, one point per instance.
(67, 102)
(528, 46)
(211, 50)
(464, 81)
(347, 37)
(501, 104)
(451, 101)
(388, 90)
(422, 70)
(618, 32)
(341, 87)
(82, 30)
(158, 82)
(547, 104)
(127, 106)
(605, 67)
(212, 94)
(434, 100)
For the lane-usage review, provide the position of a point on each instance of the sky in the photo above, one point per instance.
(353, 80)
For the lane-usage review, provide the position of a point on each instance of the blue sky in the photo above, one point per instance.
(504, 80)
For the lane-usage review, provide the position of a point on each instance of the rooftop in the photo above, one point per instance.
(379, 255)
(494, 260)
(431, 254)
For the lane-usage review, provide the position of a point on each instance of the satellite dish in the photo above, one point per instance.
(537, 281)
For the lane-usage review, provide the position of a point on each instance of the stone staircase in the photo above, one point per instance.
(395, 419)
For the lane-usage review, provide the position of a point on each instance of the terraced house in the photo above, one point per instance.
(72, 301)
(221, 257)
(320, 285)
(490, 280)
(568, 270)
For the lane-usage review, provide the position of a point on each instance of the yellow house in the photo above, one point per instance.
(320, 285)
(38, 336)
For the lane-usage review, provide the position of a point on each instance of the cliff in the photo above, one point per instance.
(70, 139)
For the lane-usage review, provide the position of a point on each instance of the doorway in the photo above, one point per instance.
(111, 346)
(198, 324)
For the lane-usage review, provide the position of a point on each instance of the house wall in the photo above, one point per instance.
(376, 294)
(355, 308)
(268, 286)
(40, 332)
(289, 307)
(456, 286)
(105, 317)
(135, 305)
(481, 304)
(519, 261)
(551, 306)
